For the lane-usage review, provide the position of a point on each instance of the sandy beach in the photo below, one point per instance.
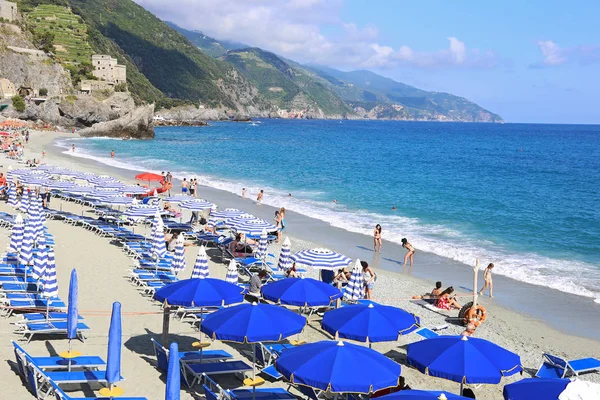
(103, 278)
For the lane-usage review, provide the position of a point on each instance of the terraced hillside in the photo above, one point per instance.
(70, 32)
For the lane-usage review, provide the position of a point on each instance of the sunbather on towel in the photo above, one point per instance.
(431, 297)
(445, 302)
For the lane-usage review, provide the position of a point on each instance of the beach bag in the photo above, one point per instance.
(202, 221)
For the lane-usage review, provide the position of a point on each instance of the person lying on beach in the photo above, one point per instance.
(445, 301)
(469, 330)
(239, 248)
(168, 207)
(431, 297)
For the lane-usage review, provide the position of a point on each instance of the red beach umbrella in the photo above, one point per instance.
(149, 176)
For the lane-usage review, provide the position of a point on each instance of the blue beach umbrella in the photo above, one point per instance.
(79, 190)
(535, 388)
(251, 226)
(305, 292)
(338, 367)
(422, 395)
(173, 390)
(201, 265)
(117, 200)
(141, 211)
(284, 256)
(196, 205)
(16, 235)
(49, 281)
(232, 273)
(133, 190)
(24, 207)
(462, 359)
(207, 292)
(113, 357)
(252, 323)
(369, 323)
(321, 259)
(227, 213)
(26, 253)
(178, 263)
(261, 252)
(178, 198)
(40, 260)
(355, 289)
(60, 185)
(12, 195)
(72, 314)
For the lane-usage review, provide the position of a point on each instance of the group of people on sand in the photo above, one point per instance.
(378, 244)
(343, 275)
(189, 187)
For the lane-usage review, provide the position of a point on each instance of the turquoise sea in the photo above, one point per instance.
(526, 197)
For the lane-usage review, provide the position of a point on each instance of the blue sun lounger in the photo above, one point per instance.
(30, 329)
(213, 391)
(42, 317)
(187, 356)
(61, 395)
(28, 305)
(48, 363)
(19, 287)
(557, 367)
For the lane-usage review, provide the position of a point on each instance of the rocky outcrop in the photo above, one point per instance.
(88, 109)
(135, 125)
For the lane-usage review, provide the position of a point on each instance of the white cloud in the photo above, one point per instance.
(554, 55)
(295, 29)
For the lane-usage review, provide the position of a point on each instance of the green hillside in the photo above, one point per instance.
(367, 90)
(283, 85)
(212, 47)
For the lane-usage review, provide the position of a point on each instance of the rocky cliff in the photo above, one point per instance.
(136, 124)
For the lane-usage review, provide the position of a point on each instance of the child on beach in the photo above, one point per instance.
(410, 252)
(487, 278)
(377, 238)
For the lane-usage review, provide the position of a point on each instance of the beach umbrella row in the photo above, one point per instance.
(303, 292)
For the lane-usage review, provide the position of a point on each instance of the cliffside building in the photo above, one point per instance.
(107, 69)
(8, 10)
(7, 89)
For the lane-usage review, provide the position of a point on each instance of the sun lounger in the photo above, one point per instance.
(19, 287)
(51, 363)
(30, 305)
(557, 367)
(162, 353)
(196, 371)
(50, 328)
(431, 333)
(61, 395)
(213, 391)
(42, 317)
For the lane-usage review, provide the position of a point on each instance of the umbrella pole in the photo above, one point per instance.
(475, 292)
(165, 332)
(69, 365)
(253, 371)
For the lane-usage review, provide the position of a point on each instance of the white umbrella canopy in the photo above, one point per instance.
(201, 266)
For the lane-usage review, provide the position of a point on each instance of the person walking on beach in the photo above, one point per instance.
(193, 187)
(377, 238)
(243, 193)
(184, 186)
(260, 196)
(368, 279)
(169, 177)
(487, 278)
(280, 222)
(410, 252)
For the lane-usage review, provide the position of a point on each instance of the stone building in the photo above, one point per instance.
(89, 86)
(107, 69)
(8, 10)
(7, 89)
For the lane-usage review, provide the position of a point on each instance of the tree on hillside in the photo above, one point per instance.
(44, 41)
(18, 103)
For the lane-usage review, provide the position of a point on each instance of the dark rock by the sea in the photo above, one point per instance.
(137, 124)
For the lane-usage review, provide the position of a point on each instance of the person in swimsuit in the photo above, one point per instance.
(487, 278)
(377, 238)
(280, 220)
(431, 297)
(184, 186)
(368, 279)
(445, 302)
(260, 196)
(410, 252)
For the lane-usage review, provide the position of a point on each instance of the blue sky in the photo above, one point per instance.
(529, 61)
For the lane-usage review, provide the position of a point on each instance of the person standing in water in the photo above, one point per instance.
(112, 154)
(73, 148)
(377, 238)
(410, 252)
(487, 278)
(243, 193)
(260, 196)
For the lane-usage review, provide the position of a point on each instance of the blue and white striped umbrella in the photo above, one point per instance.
(133, 190)
(201, 265)
(158, 241)
(321, 259)
(40, 207)
(12, 195)
(77, 189)
(141, 211)
(261, 252)
(49, 282)
(227, 213)
(36, 181)
(24, 201)
(250, 226)
(40, 260)
(232, 273)
(284, 256)
(178, 198)
(355, 289)
(196, 205)
(34, 217)
(100, 194)
(178, 263)
(117, 200)
(16, 236)
(62, 186)
(26, 254)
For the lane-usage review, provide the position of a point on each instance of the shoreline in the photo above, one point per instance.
(549, 306)
(99, 262)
